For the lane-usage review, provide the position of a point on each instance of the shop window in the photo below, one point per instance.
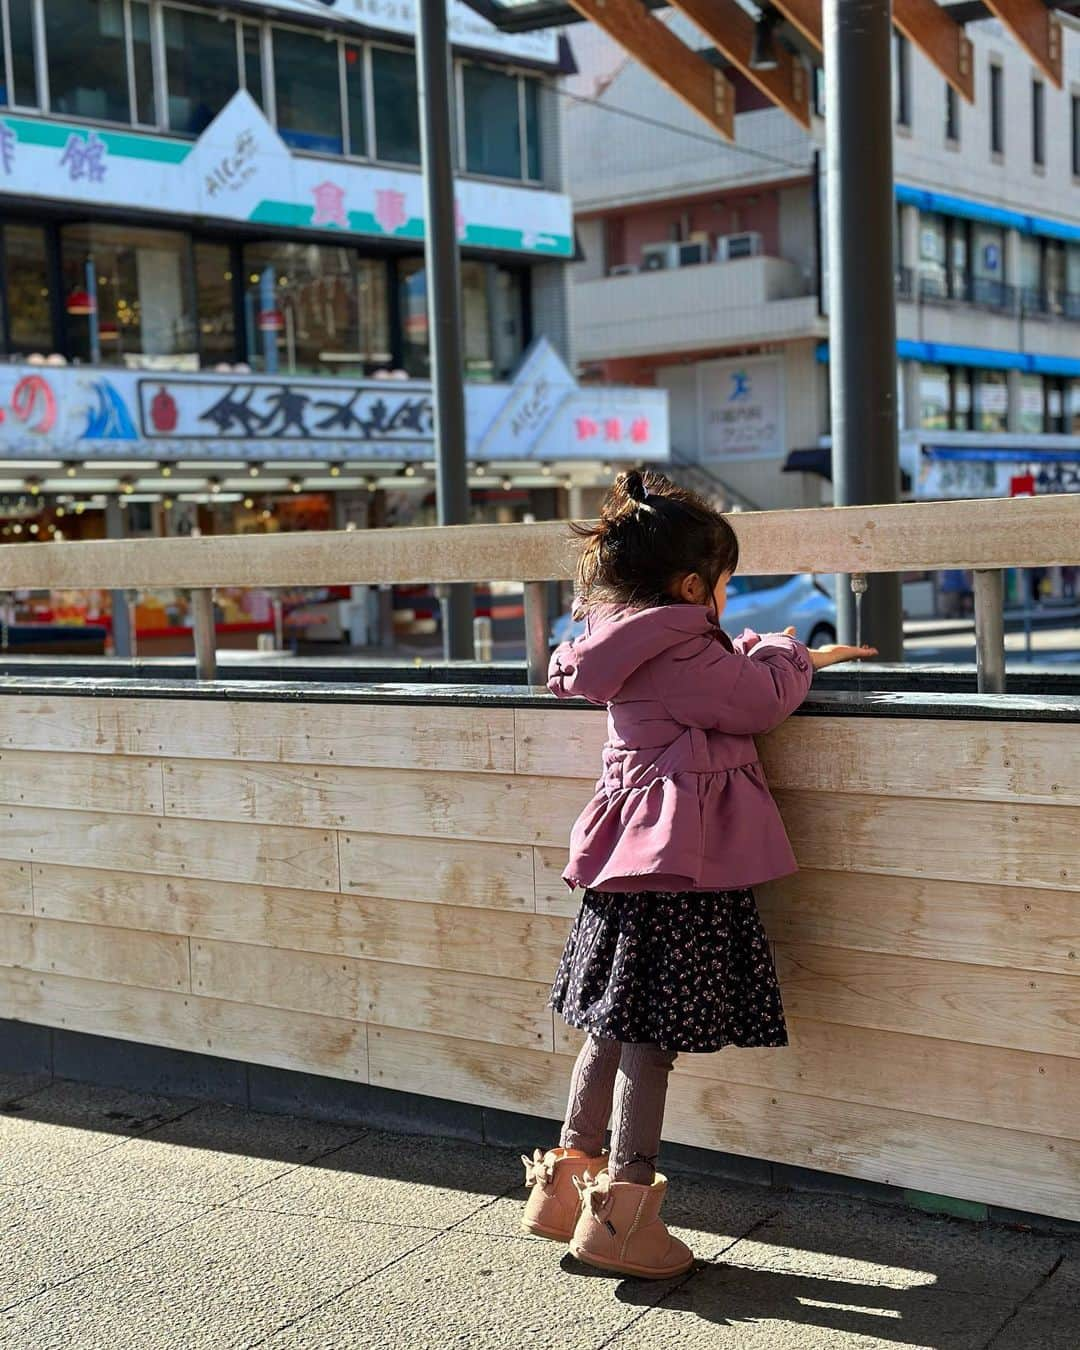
(134, 306)
(934, 398)
(307, 90)
(315, 309)
(1032, 295)
(476, 321)
(959, 260)
(991, 400)
(493, 303)
(497, 130)
(23, 90)
(87, 54)
(988, 266)
(201, 68)
(356, 99)
(253, 72)
(1031, 415)
(933, 252)
(1054, 275)
(962, 399)
(142, 64)
(26, 273)
(214, 303)
(397, 120)
(412, 300)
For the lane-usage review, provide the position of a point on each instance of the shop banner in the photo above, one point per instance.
(241, 169)
(742, 409)
(467, 28)
(992, 468)
(78, 413)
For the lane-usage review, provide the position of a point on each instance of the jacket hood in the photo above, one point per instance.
(618, 642)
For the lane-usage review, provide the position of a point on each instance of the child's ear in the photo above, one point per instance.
(692, 589)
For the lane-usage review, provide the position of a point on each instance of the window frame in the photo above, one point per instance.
(1038, 123)
(996, 100)
(271, 27)
(511, 72)
(373, 131)
(952, 116)
(163, 60)
(903, 80)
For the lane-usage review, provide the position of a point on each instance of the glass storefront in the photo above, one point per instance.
(991, 400)
(493, 319)
(26, 275)
(934, 398)
(214, 288)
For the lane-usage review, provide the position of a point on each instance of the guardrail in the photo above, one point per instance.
(983, 536)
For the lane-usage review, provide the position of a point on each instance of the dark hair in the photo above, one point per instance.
(650, 533)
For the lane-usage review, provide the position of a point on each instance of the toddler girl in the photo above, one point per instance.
(667, 953)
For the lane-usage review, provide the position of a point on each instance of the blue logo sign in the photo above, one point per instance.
(740, 386)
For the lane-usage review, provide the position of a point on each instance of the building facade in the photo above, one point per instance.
(212, 294)
(704, 272)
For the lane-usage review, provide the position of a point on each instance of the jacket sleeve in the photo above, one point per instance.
(744, 692)
(562, 669)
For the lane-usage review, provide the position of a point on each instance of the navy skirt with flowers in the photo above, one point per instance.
(689, 971)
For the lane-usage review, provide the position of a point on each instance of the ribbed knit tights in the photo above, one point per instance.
(629, 1083)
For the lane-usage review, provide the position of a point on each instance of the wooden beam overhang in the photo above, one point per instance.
(1036, 29)
(941, 39)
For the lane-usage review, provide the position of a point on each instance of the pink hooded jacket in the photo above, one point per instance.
(683, 803)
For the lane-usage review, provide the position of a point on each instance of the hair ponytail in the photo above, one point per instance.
(650, 533)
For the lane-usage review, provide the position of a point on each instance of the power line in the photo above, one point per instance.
(716, 144)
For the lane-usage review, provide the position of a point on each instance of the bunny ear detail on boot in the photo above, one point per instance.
(554, 1179)
(539, 1169)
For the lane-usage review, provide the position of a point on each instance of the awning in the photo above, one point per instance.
(818, 459)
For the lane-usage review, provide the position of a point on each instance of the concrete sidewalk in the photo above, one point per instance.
(135, 1221)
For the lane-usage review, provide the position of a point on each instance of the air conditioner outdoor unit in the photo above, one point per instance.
(693, 252)
(729, 247)
(656, 257)
(623, 270)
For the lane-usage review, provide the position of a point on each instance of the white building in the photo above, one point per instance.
(703, 270)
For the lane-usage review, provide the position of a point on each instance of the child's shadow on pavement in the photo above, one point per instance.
(926, 1315)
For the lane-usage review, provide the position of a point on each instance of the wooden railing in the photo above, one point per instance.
(984, 536)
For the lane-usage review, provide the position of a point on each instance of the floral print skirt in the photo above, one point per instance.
(688, 971)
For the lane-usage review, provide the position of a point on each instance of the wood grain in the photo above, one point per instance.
(517, 945)
(444, 871)
(252, 1035)
(15, 888)
(511, 810)
(907, 757)
(1015, 926)
(362, 735)
(480, 1007)
(986, 1005)
(560, 742)
(996, 842)
(81, 782)
(553, 896)
(982, 532)
(263, 855)
(114, 955)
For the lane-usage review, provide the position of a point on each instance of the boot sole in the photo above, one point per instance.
(538, 1230)
(627, 1267)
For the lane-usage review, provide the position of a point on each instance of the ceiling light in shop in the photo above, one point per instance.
(80, 507)
(545, 469)
(214, 486)
(71, 470)
(507, 484)
(296, 485)
(371, 484)
(409, 471)
(35, 528)
(167, 503)
(127, 487)
(254, 470)
(33, 486)
(480, 470)
(60, 513)
(16, 529)
(166, 471)
(335, 470)
(249, 503)
(267, 513)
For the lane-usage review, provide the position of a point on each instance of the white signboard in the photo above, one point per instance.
(78, 413)
(966, 468)
(240, 169)
(467, 28)
(742, 409)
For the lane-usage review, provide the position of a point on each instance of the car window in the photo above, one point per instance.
(751, 585)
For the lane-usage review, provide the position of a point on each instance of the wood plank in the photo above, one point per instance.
(443, 871)
(1015, 926)
(805, 15)
(447, 937)
(704, 89)
(15, 888)
(263, 855)
(511, 810)
(553, 896)
(481, 1007)
(981, 532)
(948, 1157)
(985, 1005)
(997, 842)
(81, 782)
(114, 955)
(941, 39)
(560, 742)
(501, 1076)
(364, 735)
(284, 1040)
(1037, 30)
(731, 30)
(907, 757)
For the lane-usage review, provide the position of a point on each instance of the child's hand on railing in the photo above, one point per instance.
(833, 653)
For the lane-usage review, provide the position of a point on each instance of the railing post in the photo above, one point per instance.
(482, 638)
(536, 631)
(205, 632)
(990, 631)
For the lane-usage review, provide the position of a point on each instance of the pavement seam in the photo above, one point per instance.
(435, 1235)
(1040, 1284)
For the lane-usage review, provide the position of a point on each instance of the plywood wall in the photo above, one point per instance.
(372, 892)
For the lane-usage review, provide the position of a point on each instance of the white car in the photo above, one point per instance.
(765, 604)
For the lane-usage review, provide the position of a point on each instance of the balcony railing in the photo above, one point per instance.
(939, 288)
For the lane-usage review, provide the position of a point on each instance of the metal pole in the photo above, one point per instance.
(205, 632)
(122, 635)
(990, 631)
(435, 84)
(862, 312)
(537, 654)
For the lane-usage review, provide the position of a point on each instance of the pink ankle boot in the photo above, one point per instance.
(552, 1209)
(620, 1229)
